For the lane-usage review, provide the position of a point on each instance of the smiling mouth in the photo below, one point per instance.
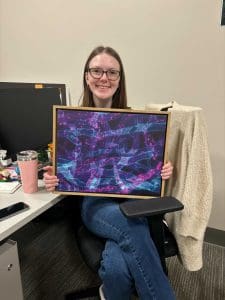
(103, 87)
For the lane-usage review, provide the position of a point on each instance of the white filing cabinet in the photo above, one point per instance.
(10, 280)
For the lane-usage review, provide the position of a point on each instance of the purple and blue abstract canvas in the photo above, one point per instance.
(109, 152)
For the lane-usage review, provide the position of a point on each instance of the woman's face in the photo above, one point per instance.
(103, 88)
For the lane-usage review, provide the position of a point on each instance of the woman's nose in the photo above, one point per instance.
(104, 76)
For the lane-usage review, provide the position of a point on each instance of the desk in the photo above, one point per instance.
(38, 203)
(10, 280)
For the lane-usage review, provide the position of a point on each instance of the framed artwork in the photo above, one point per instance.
(109, 152)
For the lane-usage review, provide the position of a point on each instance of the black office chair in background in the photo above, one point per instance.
(92, 246)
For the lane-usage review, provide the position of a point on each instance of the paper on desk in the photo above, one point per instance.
(9, 187)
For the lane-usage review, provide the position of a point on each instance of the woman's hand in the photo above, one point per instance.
(167, 170)
(50, 180)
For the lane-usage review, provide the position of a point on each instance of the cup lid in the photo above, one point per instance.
(27, 155)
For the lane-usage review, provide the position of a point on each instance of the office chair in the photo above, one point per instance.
(92, 246)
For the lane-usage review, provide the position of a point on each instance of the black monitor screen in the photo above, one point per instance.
(26, 118)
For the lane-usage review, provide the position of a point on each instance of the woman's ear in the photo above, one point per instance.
(86, 77)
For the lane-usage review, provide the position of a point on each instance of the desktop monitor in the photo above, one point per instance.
(26, 118)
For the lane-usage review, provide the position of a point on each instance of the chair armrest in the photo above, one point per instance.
(150, 207)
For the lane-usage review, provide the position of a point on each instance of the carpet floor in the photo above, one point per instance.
(51, 265)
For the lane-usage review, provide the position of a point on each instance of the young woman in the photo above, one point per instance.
(130, 260)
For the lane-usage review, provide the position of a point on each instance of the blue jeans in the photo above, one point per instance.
(130, 259)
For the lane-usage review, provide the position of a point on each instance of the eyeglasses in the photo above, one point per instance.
(97, 73)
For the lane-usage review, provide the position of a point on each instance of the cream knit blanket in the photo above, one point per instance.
(191, 182)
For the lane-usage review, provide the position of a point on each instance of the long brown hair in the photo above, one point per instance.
(120, 97)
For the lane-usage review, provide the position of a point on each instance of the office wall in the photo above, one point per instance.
(172, 50)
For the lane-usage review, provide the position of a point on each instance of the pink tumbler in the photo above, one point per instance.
(28, 166)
